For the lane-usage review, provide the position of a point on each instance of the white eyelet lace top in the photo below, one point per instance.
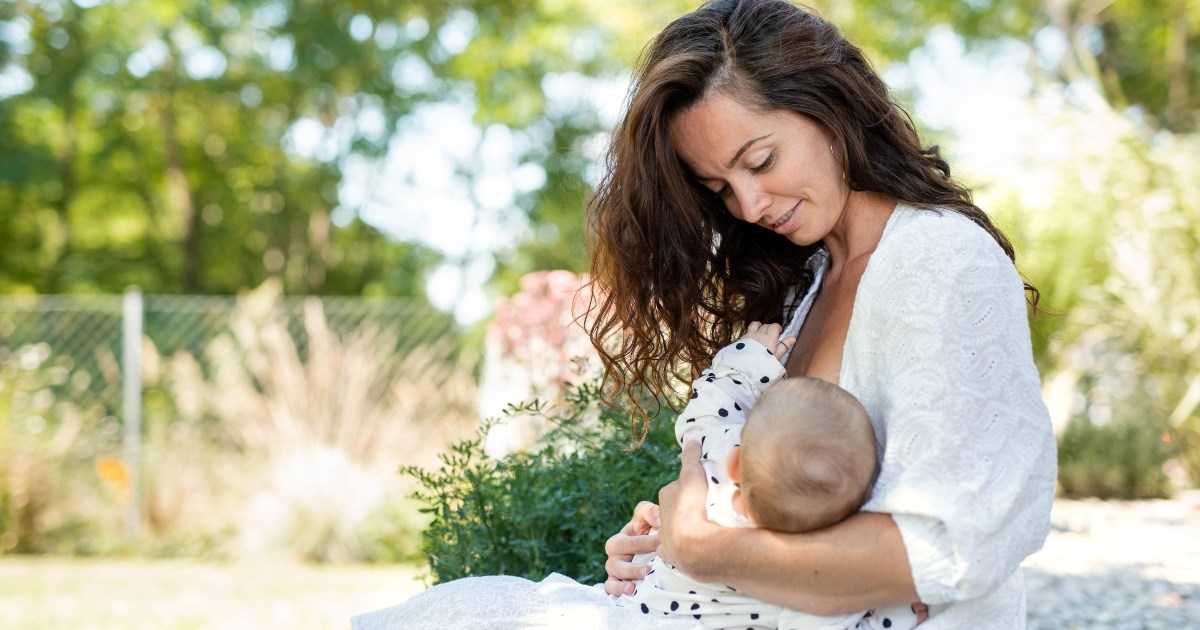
(938, 352)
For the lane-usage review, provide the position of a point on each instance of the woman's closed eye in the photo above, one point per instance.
(763, 167)
(766, 164)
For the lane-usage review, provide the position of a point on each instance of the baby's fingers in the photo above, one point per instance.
(782, 347)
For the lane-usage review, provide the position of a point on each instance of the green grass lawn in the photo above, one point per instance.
(48, 593)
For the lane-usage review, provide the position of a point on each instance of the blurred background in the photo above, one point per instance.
(257, 254)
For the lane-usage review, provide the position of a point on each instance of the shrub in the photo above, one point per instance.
(535, 346)
(547, 510)
(1118, 435)
(1112, 244)
(1122, 460)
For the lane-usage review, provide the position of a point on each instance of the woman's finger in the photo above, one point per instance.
(666, 494)
(689, 462)
(621, 569)
(626, 546)
(634, 538)
(678, 499)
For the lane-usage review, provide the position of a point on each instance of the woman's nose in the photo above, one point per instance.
(752, 202)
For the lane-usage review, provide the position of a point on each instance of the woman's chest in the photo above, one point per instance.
(822, 338)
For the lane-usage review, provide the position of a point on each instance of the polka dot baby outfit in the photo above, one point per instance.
(714, 416)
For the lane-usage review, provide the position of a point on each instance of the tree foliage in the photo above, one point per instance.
(1144, 55)
(158, 144)
(200, 146)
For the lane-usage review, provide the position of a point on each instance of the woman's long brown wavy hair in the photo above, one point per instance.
(678, 275)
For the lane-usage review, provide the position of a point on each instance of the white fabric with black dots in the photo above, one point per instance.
(714, 417)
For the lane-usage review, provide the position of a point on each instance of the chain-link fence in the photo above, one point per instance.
(78, 373)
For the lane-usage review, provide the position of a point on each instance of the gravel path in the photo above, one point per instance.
(1117, 564)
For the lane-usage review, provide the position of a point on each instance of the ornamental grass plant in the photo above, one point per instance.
(53, 496)
(312, 435)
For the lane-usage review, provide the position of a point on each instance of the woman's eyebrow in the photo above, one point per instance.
(742, 150)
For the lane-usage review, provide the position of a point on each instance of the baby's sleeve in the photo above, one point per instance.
(714, 416)
(724, 393)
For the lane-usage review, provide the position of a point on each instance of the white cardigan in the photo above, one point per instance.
(938, 352)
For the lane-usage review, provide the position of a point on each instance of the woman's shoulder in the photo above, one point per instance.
(938, 252)
(918, 234)
(934, 225)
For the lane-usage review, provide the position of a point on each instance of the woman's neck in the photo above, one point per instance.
(859, 228)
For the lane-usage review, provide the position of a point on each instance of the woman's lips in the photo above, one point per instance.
(785, 223)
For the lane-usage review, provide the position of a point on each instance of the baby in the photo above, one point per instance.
(805, 459)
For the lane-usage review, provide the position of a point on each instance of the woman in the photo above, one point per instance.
(762, 169)
(762, 173)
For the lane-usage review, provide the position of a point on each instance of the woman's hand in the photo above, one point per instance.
(685, 525)
(633, 539)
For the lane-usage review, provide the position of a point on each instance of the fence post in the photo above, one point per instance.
(131, 388)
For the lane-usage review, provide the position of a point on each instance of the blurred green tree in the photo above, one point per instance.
(1139, 54)
(198, 146)
(201, 145)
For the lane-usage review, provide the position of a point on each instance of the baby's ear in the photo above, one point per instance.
(733, 464)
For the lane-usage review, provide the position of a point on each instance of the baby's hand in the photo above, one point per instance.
(768, 335)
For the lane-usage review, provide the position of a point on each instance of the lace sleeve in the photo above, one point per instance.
(716, 412)
(969, 457)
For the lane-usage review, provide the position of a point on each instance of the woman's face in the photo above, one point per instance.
(774, 169)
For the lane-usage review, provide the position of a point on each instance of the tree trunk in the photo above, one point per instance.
(1177, 70)
(179, 195)
(318, 252)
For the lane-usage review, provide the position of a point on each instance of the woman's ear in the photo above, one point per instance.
(733, 464)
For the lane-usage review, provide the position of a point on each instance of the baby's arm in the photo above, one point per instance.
(768, 336)
(723, 394)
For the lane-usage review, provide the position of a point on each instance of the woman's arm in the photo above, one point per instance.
(857, 564)
(943, 358)
(943, 352)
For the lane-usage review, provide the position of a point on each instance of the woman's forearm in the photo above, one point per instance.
(855, 565)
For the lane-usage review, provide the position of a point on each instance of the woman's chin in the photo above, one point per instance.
(801, 238)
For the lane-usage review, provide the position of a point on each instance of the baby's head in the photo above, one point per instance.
(807, 456)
